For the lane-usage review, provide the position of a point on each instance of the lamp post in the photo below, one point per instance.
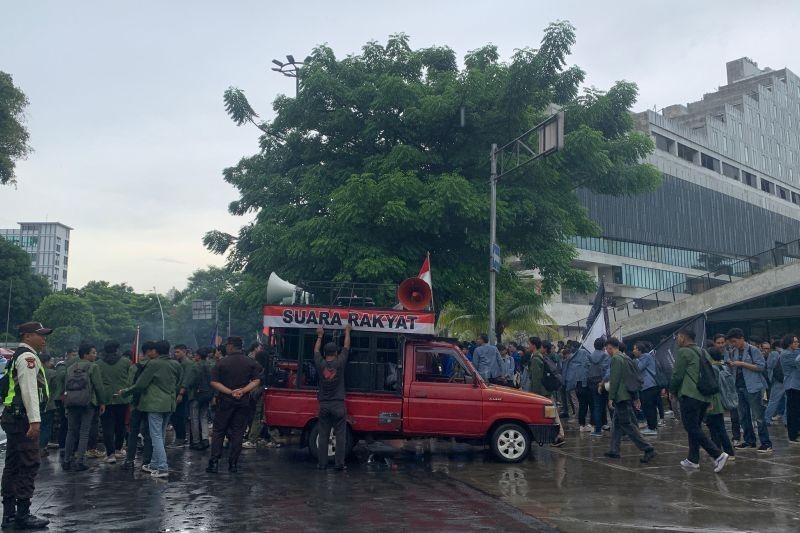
(290, 69)
(163, 322)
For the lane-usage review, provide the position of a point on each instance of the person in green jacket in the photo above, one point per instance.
(685, 376)
(56, 392)
(190, 375)
(157, 385)
(50, 410)
(622, 401)
(116, 371)
(79, 417)
(715, 421)
(536, 373)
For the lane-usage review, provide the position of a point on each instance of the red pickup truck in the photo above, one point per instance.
(403, 386)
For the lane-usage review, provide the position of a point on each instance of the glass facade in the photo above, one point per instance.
(650, 278)
(657, 254)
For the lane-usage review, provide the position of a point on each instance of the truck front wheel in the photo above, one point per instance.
(510, 443)
(314, 443)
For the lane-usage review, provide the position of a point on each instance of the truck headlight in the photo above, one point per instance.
(550, 411)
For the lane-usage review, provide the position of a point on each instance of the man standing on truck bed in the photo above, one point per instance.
(332, 413)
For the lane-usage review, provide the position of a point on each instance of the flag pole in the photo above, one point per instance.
(430, 273)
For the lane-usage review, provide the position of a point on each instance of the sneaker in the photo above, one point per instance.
(745, 446)
(606, 428)
(558, 443)
(731, 458)
(648, 456)
(662, 423)
(159, 473)
(596, 434)
(764, 448)
(649, 432)
(94, 454)
(611, 455)
(686, 463)
(249, 445)
(795, 441)
(119, 454)
(735, 443)
(110, 460)
(719, 462)
(52, 445)
(146, 468)
(273, 444)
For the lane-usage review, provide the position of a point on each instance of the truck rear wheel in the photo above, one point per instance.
(510, 443)
(313, 443)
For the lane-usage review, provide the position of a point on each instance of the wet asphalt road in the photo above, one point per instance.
(436, 486)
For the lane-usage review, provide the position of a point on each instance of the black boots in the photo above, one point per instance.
(23, 519)
(9, 511)
(213, 466)
(233, 467)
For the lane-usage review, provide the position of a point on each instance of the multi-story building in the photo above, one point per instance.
(731, 189)
(48, 245)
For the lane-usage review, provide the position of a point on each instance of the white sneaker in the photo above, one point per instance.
(249, 445)
(649, 432)
(159, 473)
(719, 462)
(110, 459)
(686, 463)
(662, 423)
(146, 468)
(584, 428)
(119, 454)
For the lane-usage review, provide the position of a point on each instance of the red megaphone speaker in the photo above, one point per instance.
(414, 294)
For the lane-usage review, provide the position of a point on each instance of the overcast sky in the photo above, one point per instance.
(130, 134)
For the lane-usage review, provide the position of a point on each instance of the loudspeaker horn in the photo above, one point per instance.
(414, 294)
(285, 293)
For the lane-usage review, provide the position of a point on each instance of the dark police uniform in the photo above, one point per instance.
(234, 371)
(25, 400)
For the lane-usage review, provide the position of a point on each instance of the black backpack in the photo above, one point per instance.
(594, 374)
(77, 386)
(204, 391)
(708, 384)
(631, 376)
(777, 372)
(551, 376)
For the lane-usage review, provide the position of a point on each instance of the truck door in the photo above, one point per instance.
(443, 398)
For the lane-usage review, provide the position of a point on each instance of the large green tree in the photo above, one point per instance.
(26, 287)
(383, 156)
(13, 133)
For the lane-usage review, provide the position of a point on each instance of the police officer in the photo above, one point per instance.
(233, 377)
(24, 399)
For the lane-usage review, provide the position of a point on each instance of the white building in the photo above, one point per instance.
(48, 245)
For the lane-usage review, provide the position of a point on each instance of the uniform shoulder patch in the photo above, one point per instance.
(31, 362)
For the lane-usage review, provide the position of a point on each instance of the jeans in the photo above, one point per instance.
(584, 400)
(719, 435)
(752, 410)
(198, 419)
(46, 428)
(332, 415)
(793, 413)
(139, 424)
(624, 422)
(79, 420)
(649, 399)
(692, 414)
(158, 427)
(114, 427)
(599, 402)
(777, 401)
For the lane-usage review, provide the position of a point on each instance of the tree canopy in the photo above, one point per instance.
(371, 166)
(27, 287)
(13, 133)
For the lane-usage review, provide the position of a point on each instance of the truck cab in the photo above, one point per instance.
(399, 385)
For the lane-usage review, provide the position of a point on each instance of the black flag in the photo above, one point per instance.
(667, 349)
(597, 306)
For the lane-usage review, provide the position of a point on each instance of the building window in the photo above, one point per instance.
(663, 143)
(57, 261)
(795, 198)
(709, 162)
(64, 275)
(783, 193)
(58, 247)
(749, 179)
(63, 286)
(767, 186)
(730, 171)
(66, 246)
(684, 152)
(66, 261)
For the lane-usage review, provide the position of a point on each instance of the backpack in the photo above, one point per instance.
(204, 391)
(5, 379)
(777, 373)
(631, 377)
(78, 387)
(663, 373)
(595, 373)
(727, 388)
(708, 384)
(551, 377)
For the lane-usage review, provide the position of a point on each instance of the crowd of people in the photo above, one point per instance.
(128, 400)
(629, 391)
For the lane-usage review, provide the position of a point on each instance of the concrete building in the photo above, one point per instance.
(48, 245)
(731, 189)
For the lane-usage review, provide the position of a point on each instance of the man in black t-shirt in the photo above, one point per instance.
(232, 378)
(332, 413)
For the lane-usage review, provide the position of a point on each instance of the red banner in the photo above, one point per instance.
(383, 320)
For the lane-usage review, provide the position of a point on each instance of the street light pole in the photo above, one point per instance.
(8, 313)
(290, 69)
(492, 239)
(163, 322)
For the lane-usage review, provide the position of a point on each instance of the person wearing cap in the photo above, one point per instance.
(332, 413)
(25, 398)
(233, 377)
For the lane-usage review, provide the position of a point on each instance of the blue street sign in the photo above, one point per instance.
(494, 265)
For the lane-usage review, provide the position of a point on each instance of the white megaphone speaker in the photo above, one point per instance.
(283, 292)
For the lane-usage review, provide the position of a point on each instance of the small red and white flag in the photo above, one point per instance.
(425, 274)
(135, 347)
